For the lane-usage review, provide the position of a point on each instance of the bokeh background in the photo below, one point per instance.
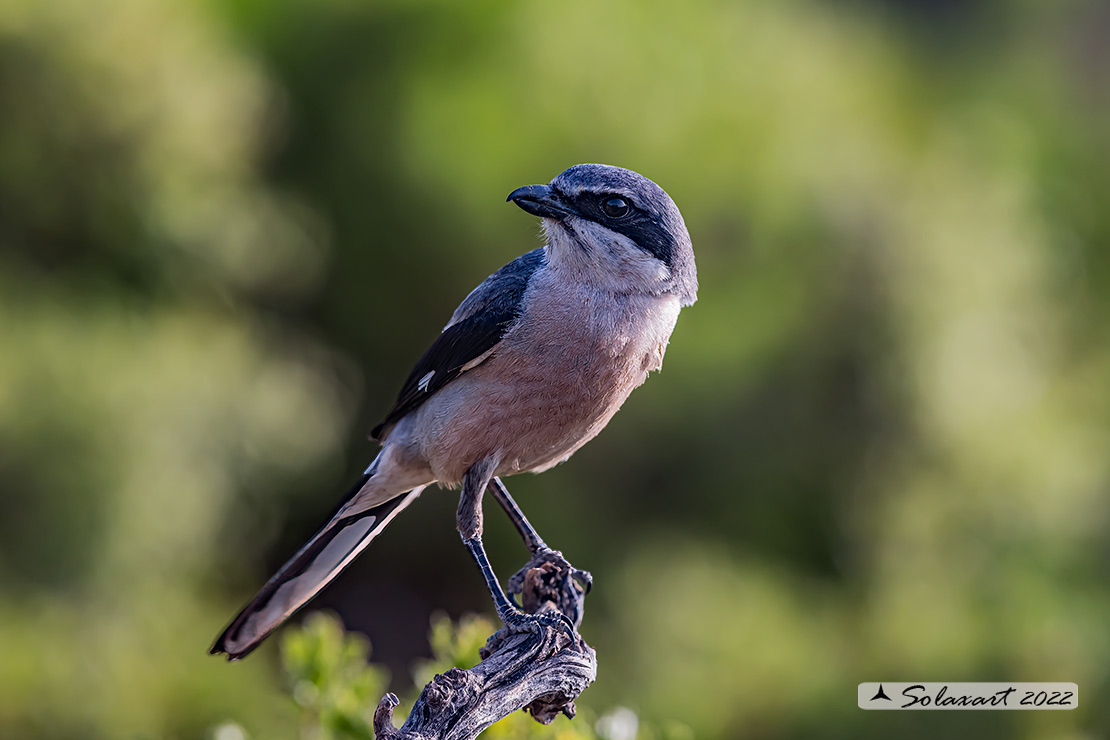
(878, 450)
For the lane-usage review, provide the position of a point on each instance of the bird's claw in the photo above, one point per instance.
(583, 578)
(520, 621)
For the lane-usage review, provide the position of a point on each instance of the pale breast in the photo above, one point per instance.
(551, 385)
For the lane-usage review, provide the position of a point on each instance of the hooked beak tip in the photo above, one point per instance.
(540, 200)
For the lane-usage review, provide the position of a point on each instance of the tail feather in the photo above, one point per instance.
(305, 575)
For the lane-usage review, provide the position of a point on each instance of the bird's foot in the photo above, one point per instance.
(549, 584)
(517, 620)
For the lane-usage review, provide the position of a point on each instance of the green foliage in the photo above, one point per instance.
(337, 691)
(453, 645)
(331, 681)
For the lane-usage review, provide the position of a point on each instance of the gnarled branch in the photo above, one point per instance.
(542, 670)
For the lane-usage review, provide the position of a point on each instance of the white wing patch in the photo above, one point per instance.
(423, 383)
(478, 360)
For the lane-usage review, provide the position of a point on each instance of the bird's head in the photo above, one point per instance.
(618, 227)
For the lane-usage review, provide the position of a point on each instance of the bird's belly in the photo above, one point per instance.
(536, 400)
(559, 412)
(531, 418)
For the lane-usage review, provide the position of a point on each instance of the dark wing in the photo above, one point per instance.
(476, 327)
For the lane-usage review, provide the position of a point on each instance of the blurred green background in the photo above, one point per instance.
(878, 448)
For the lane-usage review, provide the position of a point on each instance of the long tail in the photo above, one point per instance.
(318, 562)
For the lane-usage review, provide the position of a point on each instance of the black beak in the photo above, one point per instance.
(540, 200)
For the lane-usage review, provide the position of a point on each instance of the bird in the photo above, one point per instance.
(533, 364)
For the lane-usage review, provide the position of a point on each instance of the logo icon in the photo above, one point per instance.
(880, 694)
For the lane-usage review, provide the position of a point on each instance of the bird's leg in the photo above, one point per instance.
(539, 549)
(469, 522)
(523, 526)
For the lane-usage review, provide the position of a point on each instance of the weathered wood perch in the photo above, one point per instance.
(542, 670)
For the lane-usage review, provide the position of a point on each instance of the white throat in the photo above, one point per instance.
(586, 251)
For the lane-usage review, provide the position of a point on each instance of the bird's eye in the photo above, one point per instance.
(615, 207)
